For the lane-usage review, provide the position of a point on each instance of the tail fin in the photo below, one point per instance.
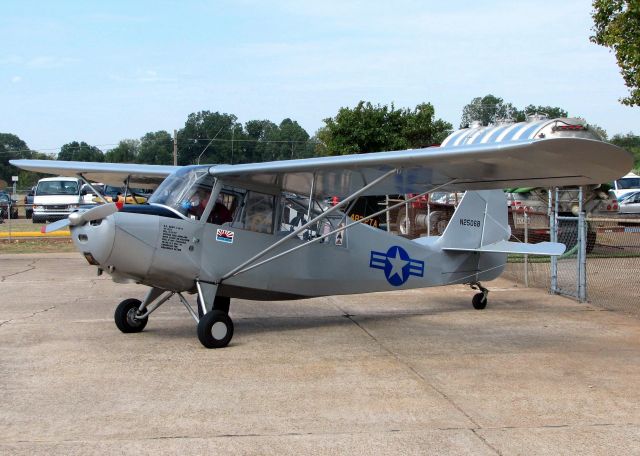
(480, 224)
(480, 219)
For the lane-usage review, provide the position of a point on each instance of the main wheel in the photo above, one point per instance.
(479, 301)
(215, 329)
(125, 316)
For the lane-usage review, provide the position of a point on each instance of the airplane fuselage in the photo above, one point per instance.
(171, 253)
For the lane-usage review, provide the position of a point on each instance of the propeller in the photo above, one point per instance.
(80, 217)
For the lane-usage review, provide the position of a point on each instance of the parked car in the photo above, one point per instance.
(7, 206)
(28, 203)
(56, 198)
(113, 194)
(626, 185)
(630, 204)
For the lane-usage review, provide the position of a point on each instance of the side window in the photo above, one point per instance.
(198, 197)
(258, 212)
(225, 209)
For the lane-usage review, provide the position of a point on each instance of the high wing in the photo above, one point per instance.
(526, 163)
(141, 176)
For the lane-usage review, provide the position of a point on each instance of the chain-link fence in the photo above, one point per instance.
(611, 263)
(17, 225)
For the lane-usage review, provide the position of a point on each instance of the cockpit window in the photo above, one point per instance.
(186, 191)
(258, 212)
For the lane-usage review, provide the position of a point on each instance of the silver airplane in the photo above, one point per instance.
(264, 231)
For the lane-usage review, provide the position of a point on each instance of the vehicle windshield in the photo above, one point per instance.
(627, 196)
(628, 182)
(185, 189)
(57, 188)
(4, 198)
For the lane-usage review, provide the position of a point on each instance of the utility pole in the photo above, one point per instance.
(175, 147)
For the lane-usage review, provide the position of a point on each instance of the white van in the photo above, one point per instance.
(626, 184)
(55, 198)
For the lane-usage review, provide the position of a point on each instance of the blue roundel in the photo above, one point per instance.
(396, 264)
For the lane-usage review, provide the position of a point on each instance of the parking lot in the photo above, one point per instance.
(414, 372)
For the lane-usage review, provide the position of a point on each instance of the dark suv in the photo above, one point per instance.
(7, 204)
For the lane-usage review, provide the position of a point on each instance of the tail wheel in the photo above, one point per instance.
(215, 329)
(479, 301)
(126, 319)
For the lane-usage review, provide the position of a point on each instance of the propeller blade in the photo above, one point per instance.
(98, 212)
(55, 226)
(95, 213)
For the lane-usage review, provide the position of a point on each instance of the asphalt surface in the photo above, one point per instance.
(416, 372)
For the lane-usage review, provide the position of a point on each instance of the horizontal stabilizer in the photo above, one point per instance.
(541, 248)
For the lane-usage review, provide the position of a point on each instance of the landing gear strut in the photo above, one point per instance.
(479, 300)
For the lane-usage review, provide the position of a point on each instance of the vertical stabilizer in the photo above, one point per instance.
(480, 219)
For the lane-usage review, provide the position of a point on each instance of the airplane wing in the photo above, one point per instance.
(527, 163)
(142, 176)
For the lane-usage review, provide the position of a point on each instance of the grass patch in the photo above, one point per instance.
(19, 225)
(37, 246)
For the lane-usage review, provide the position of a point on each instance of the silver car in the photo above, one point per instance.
(630, 203)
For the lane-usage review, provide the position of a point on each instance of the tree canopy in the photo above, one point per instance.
(491, 109)
(80, 151)
(12, 147)
(617, 26)
(374, 128)
(631, 143)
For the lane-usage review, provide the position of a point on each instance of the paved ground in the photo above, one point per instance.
(416, 372)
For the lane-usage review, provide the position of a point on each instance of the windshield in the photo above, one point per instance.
(628, 182)
(57, 188)
(185, 190)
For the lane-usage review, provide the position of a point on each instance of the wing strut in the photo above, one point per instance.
(308, 224)
(344, 228)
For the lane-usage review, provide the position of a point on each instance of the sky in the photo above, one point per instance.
(101, 72)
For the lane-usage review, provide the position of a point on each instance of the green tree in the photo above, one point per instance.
(421, 129)
(156, 148)
(374, 128)
(631, 143)
(487, 110)
(617, 26)
(552, 112)
(12, 147)
(491, 109)
(80, 151)
(125, 152)
(211, 137)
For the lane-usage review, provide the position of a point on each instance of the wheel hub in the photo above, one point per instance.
(131, 317)
(219, 330)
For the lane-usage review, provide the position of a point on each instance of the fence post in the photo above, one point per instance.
(582, 251)
(553, 234)
(526, 241)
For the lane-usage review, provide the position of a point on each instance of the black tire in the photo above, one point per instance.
(215, 329)
(125, 316)
(479, 301)
(221, 303)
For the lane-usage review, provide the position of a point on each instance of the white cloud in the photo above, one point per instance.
(141, 76)
(16, 79)
(48, 62)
